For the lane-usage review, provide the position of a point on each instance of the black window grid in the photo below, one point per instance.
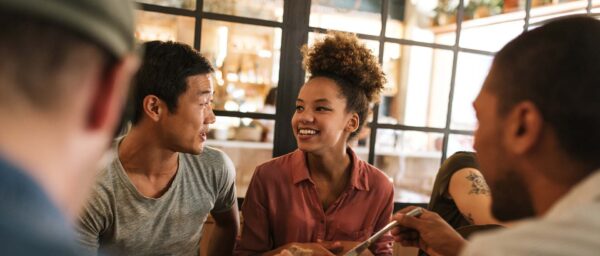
(295, 28)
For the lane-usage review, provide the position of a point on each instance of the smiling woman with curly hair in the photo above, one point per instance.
(322, 194)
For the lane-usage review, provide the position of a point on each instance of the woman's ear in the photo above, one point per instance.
(152, 107)
(353, 123)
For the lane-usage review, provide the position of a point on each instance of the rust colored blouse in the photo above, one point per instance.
(282, 206)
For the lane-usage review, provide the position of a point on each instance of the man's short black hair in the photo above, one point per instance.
(557, 67)
(164, 72)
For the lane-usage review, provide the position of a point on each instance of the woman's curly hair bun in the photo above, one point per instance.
(342, 55)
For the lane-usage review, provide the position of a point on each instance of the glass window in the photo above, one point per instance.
(246, 58)
(491, 33)
(471, 71)
(545, 10)
(429, 21)
(358, 16)
(418, 85)
(411, 160)
(459, 142)
(164, 27)
(186, 4)
(246, 142)
(260, 9)
(595, 11)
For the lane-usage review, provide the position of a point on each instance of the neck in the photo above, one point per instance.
(553, 175)
(147, 157)
(330, 166)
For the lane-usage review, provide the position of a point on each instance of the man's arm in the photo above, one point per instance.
(429, 232)
(225, 212)
(92, 222)
(226, 229)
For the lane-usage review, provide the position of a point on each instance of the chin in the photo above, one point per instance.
(307, 148)
(302, 146)
(198, 150)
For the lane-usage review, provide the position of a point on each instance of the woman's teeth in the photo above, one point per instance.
(307, 132)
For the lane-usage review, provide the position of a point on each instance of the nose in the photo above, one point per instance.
(210, 117)
(306, 117)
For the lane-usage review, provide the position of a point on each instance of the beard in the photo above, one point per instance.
(510, 198)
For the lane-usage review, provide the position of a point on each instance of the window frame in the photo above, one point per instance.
(295, 29)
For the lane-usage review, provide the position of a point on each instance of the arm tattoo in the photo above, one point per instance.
(478, 185)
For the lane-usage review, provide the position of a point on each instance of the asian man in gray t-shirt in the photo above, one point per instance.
(162, 182)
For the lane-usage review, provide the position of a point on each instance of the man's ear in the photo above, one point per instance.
(110, 93)
(524, 127)
(353, 123)
(152, 107)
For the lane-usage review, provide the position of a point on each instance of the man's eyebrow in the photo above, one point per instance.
(206, 92)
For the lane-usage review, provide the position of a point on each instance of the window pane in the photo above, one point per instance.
(471, 71)
(243, 140)
(459, 142)
(418, 85)
(246, 58)
(357, 16)
(491, 33)
(545, 10)
(411, 160)
(186, 4)
(427, 21)
(259, 9)
(157, 26)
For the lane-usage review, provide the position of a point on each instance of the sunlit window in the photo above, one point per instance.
(470, 74)
(410, 159)
(247, 61)
(164, 27)
(418, 85)
(260, 9)
(356, 16)
(422, 20)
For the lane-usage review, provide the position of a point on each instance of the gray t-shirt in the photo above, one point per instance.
(118, 220)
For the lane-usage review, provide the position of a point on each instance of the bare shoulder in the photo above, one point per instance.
(468, 181)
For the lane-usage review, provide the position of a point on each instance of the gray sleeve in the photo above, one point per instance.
(92, 222)
(226, 196)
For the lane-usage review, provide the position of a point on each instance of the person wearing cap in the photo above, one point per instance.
(538, 144)
(65, 68)
(162, 181)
